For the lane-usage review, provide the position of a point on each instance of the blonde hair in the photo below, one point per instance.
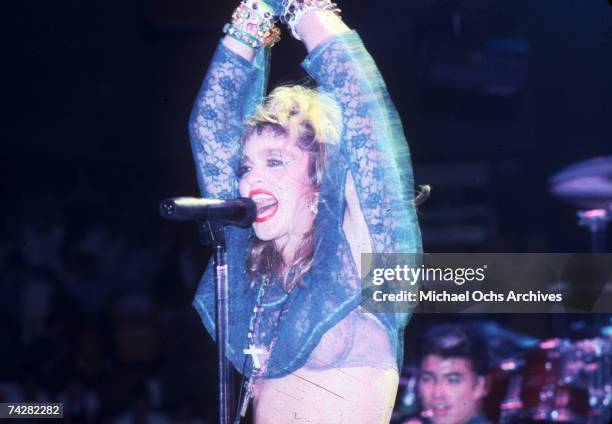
(315, 120)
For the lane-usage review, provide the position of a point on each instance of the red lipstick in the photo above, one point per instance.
(267, 204)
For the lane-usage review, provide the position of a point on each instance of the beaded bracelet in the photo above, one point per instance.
(253, 24)
(295, 9)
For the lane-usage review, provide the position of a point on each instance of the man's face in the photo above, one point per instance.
(450, 391)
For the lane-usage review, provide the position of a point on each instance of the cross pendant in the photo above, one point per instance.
(254, 351)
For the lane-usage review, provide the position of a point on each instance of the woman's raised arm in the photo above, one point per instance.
(215, 124)
(234, 84)
(381, 200)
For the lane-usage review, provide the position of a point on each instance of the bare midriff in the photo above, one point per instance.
(353, 395)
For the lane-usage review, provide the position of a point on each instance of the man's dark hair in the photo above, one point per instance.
(457, 341)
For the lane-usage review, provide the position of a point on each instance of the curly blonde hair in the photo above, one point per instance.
(315, 120)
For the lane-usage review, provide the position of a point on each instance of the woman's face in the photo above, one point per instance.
(275, 175)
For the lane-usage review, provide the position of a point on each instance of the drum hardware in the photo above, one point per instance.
(596, 220)
(588, 184)
(560, 381)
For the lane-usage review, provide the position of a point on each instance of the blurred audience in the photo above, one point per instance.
(94, 315)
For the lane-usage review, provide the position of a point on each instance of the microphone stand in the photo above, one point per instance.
(213, 233)
(212, 215)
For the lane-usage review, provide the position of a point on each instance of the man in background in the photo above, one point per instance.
(453, 378)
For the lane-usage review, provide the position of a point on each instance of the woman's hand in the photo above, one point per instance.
(318, 26)
(252, 27)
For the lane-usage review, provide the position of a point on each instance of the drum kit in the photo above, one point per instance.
(556, 380)
(559, 381)
(562, 380)
(588, 185)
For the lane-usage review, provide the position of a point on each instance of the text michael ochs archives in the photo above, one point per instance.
(465, 296)
(486, 282)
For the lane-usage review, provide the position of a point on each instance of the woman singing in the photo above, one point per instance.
(329, 171)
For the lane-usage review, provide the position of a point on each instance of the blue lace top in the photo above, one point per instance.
(321, 325)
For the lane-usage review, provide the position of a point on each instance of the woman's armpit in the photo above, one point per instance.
(354, 224)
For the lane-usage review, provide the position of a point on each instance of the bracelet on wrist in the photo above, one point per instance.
(294, 10)
(253, 24)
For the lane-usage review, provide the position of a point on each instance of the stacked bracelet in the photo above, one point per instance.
(253, 24)
(295, 9)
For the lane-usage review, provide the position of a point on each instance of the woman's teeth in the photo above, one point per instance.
(265, 203)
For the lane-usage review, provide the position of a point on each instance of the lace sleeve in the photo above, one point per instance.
(373, 140)
(231, 88)
(378, 159)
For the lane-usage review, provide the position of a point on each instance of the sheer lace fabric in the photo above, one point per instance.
(321, 326)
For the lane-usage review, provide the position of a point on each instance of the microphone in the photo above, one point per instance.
(240, 212)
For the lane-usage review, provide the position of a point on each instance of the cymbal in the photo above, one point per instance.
(586, 184)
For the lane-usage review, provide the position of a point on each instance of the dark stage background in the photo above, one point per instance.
(96, 289)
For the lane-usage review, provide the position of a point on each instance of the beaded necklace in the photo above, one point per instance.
(254, 350)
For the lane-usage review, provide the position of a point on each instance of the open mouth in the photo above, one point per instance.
(267, 204)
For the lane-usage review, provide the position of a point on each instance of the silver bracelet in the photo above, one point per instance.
(253, 24)
(294, 10)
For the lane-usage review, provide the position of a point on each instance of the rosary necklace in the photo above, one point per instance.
(253, 350)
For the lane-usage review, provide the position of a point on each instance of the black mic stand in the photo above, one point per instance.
(212, 216)
(213, 233)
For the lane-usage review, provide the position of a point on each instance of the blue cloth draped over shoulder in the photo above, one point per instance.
(372, 148)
